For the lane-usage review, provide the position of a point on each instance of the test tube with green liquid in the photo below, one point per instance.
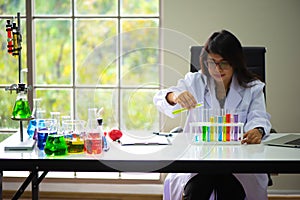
(204, 133)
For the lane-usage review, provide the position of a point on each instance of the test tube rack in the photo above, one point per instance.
(210, 132)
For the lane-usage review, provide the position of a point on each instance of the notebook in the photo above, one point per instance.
(155, 140)
(289, 140)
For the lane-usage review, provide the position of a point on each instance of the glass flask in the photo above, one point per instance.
(55, 145)
(93, 137)
(74, 131)
(45, 127)
(56, 115)
(21, 110)
(40, 115)
(32, 123)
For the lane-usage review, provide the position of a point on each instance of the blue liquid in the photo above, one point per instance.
(42, 138)
(31, 128)
(40, 124)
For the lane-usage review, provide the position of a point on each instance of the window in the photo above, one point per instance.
(86, 53)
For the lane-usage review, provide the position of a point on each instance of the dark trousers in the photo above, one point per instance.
(225, 186)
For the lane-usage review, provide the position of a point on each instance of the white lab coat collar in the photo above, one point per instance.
(233, 97)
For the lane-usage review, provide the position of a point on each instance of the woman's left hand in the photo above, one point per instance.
(252, 137)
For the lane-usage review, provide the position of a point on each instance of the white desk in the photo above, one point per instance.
(162, 158)
(181, 156)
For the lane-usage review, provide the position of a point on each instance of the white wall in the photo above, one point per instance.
(274, 24)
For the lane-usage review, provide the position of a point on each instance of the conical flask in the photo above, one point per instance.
(21, 110)
(36, 107)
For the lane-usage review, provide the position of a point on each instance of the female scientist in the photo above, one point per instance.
(222, 83)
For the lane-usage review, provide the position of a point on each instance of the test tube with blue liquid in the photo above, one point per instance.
(220, 127)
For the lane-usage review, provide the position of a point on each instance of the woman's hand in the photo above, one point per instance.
(185, 99)
(252, 137)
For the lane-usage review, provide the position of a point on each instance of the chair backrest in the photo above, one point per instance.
(255, 59)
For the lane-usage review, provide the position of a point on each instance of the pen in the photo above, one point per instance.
(184, 109)
(163, 134)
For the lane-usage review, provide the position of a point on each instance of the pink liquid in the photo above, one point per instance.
(93, 143)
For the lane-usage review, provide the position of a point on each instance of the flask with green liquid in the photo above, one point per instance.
(21, 108)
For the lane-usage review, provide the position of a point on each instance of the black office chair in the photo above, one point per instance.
(255, 60)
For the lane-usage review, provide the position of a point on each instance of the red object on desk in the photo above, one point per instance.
(115, 134)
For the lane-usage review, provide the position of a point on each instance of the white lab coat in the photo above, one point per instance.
(249, 103)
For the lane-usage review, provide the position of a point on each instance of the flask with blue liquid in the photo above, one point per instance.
(37, 113)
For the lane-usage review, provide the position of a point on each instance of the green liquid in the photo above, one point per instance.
(55, 145)
(21, 110)
(204, 132)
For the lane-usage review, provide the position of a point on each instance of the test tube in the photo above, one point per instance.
(220, 121)
(196, 133)
(9, 37)
(204, 133)
(236, 128)
(212, 128)
(228, 118)
(224, 128)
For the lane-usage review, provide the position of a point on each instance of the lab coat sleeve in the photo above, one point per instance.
(160, 97)
(257, 115)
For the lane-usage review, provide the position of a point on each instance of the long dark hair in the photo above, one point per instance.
(229, 47)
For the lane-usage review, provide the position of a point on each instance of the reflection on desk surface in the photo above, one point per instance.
(180, 149)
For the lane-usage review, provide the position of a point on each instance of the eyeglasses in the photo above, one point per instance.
(213, 65)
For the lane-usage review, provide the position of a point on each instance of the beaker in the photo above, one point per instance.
(55, 145)
(74, 132)
(93, 137)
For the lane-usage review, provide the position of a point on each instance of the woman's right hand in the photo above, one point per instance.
(185, 99)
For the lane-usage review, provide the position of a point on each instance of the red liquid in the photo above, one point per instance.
(228, 117)
(93, 143)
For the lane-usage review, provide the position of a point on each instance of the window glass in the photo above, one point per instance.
(6, 106)
(138, 7)
(53, 52)
(96, 51)
(140, 56)
(55, 100)
(52, 7)
(96, 7)
(11, 7)
(97, 98)
(138, 110)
